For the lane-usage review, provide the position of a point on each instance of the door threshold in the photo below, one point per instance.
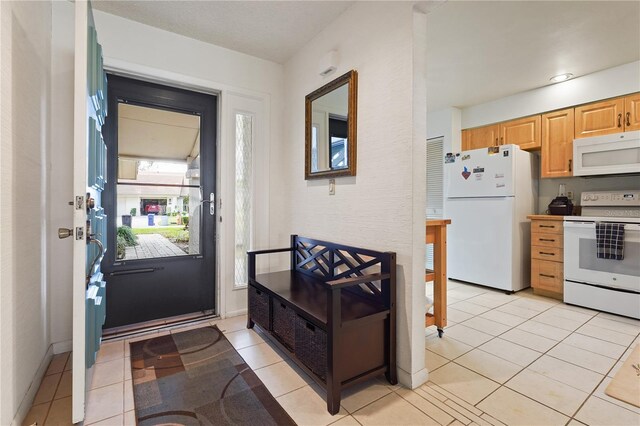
(133, 330)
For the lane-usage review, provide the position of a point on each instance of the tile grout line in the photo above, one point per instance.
(591, 395)
(54, 394)
(422, 411)
(500, 385)
(571, 417)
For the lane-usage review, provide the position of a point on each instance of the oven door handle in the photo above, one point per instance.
(628, 227)
(580, 225)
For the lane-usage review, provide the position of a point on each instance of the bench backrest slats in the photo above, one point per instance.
(329, 261)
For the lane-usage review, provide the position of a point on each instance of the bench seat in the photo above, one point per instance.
(309, 297)
(332, 312)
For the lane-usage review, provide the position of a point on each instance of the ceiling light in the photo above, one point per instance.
(561, 77)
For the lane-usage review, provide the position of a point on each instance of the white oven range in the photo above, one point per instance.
(604, 284)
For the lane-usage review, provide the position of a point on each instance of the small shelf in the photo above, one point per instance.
(429, 275)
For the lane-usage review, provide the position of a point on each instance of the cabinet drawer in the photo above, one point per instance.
(547, 253)
(547, 226)
(546, 240)
(284, 323)
(259, 307)
(547, 275)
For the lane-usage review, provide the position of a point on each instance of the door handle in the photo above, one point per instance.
(620, 120)
(98, 259)
(570, 164)
(212, 204)
(628, 119)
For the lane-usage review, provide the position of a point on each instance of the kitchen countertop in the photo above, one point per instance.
(545, 217)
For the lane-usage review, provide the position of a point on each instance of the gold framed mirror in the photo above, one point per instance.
(330, 128)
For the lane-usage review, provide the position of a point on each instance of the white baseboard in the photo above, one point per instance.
(62, 347)
(413, 381)
(25, 404)
(235, 313)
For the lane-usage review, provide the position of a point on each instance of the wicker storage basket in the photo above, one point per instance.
(311, 346)
(284, 324)
(259, 307)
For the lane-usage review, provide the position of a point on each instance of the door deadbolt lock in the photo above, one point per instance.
(64, 233)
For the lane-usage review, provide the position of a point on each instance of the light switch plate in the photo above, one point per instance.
(332, 187)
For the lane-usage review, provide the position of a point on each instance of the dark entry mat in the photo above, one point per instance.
(198, 378)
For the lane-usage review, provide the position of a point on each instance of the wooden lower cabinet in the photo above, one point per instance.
(547, 257)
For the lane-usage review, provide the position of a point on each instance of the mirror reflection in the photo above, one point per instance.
(330, 131)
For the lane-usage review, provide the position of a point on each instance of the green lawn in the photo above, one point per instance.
(170, 232)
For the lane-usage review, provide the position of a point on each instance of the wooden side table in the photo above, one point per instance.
(436, 234)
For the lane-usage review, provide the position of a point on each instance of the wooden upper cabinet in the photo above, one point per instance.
(632, 112)
(524, 132)
(480, 137)
(556, 153)
(599, 118)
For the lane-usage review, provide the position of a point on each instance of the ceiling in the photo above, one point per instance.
(272, 30)
(150, 133)
(478, 51)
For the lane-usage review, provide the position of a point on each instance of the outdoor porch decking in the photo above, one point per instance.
(151, 246)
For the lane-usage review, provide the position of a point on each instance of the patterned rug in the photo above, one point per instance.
(197, 378)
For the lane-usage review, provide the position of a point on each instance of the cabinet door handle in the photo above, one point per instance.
(496, 141)
(547, 226)
(548, 276)
(628, 119)
(547, 239)
(546, 254)
(620, 120)
(501, 140)
(570, 164)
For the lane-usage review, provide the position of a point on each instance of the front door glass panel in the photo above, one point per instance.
(159, 203)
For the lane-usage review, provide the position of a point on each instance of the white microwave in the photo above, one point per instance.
(613, 154)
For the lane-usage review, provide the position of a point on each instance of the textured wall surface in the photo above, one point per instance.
(374, 209)
(24, 132)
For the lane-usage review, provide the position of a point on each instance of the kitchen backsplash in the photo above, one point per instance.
(548, 188)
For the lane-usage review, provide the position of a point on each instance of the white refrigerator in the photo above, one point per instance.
(490, 192)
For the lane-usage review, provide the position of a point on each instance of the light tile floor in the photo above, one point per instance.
(504, 359)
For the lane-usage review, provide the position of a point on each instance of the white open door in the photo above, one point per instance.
(89, 222)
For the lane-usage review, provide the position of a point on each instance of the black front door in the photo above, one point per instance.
(159, 199)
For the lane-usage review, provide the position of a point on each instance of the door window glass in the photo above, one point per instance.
(243, 191)
(159, 202)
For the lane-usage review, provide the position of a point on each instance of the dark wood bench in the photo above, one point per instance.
(333, 312)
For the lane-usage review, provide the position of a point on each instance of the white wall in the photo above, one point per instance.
(599, 85)
(25, 120)
(140, 50)
(604, 84)
(383, 206)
